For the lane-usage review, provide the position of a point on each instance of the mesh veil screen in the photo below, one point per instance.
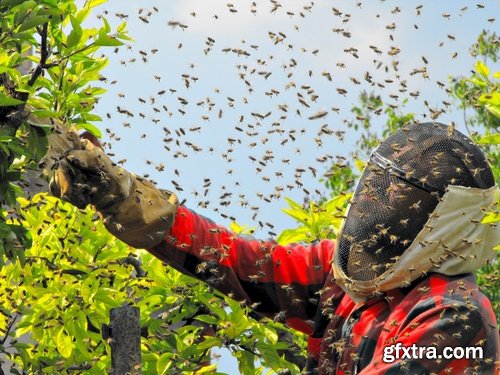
(388, 210)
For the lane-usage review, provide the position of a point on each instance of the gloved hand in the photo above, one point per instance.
(88, 176)
(134, 210)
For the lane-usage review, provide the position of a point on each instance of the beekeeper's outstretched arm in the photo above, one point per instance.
(278, 281)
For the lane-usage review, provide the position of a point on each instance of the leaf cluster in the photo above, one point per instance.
(317, 222)
(75, 272)
(48, 70)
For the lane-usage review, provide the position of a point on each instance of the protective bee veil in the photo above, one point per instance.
(407, 177)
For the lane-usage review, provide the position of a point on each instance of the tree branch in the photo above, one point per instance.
(44, 54)
(80, 367)
(9, 328)
(74, 53)
(134, 262)
(16, 116)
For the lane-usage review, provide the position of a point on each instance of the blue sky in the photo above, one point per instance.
(215, 118)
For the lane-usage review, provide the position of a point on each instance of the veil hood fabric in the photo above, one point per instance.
(417, 208)
(452, 242)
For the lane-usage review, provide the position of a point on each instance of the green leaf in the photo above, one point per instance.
(121, 27)
(69, 321)
(489, 139)
(478, 82)
(8, 101)
(37, 142)
(5, 149)
(12, 3)
(82, 14)
(163, 363)
(106, 40)
(240, 229)
(490, 98)
(75, 35)
(207, 319)
(336, 203)
(207, 369)
(360, 165)
(93, 117)
(63, 343)
(296, 211)
(271, 355)
(104, 295)
(150, 356)
(6, 69)
(299, 234)
(482, 69)
(270, 334)
(80, 325)
(490, 218)
(40, 117)
(94, 3)
(246, 363)
(209, 342)
(32, 22)
(107, 28)
(493, 109)
(91, 129)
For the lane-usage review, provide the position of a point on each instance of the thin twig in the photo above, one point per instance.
(44, 54)
(80, 367)
(74, 53)
(465, 121)
(9, 328)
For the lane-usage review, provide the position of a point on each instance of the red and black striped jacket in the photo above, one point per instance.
(296, 282)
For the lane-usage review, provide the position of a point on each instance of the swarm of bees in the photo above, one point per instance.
(237, 105)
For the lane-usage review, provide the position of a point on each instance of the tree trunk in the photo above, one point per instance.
(125, 334)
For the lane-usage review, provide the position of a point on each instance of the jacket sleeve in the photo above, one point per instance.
(280, 282)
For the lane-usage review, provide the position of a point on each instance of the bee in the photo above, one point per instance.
(318, 115)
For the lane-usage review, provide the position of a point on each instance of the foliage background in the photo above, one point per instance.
(62, 272)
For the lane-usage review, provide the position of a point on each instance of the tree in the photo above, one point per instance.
(76, 272)
(60, 87)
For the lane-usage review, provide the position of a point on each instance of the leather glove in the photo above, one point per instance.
(133, 209)
(88, 176)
